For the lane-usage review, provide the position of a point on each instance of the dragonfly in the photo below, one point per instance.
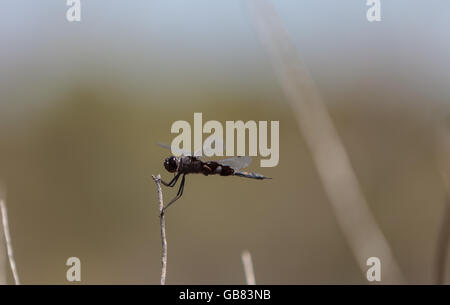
(187, 163)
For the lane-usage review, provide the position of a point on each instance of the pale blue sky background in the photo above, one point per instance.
(178, 47)
(137, 36)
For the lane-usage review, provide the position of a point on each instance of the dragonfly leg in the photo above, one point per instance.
(172, 182)
(180, 192)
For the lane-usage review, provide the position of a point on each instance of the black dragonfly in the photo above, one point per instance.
(192, 164)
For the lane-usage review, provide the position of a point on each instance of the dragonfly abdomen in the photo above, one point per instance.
(250, 175)
(214, 168)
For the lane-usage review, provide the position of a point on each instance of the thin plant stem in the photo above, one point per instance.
(442, 244)
(157, 180)
(442, 139)
(248, 268)
(9, 247)
(328, 152)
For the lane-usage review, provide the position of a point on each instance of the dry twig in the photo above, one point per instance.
(330, 157)
(443, 163)
(9, 247)
(442, 244)
(157, 180)
(248, 268)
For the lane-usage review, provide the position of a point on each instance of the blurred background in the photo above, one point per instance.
(83, 104)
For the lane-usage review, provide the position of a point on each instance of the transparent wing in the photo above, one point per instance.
(236, 162)
(178, 152)
(209, 149)
(175, 150)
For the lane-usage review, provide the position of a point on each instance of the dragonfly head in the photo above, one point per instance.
(171, 164)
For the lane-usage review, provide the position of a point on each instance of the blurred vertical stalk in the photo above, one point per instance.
(330, 157)
(443, 239)
(7, 241)
(3, 259)
(442, 244)
(3, 255)
(248, 268)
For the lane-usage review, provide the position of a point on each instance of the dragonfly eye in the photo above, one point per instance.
(171, 164)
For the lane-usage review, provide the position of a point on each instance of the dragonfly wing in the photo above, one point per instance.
(237, 163)
(207, 146)
(175, 150)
